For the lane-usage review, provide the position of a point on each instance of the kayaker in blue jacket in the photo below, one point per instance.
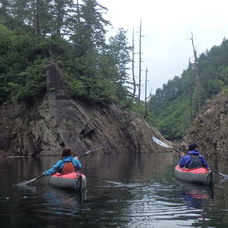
(192, 159)
(67, 164)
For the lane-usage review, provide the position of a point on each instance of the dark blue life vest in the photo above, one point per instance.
(194, 163)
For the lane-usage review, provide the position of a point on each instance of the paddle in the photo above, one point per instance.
(89, 151)
(37, 178)
(156, 140)
(159, 142)
(29, 181)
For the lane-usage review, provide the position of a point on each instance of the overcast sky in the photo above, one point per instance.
(166, 28)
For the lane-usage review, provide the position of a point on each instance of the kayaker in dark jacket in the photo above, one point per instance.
(67, 164)
(193, 159)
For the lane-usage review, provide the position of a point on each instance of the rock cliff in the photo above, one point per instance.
(56, 120)
(210, 128)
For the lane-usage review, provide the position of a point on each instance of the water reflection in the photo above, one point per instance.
(196, 196)
(116, 184)
(63, 202)
(30, 188)
(123, 191)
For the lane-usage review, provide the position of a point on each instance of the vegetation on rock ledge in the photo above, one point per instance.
(72, 35)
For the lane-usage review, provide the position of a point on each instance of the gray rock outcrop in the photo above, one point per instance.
(56, 120)
(210, 128)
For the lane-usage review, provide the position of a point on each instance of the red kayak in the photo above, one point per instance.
(74, 180)
(199, 175)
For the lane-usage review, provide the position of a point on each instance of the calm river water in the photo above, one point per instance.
(123, 191)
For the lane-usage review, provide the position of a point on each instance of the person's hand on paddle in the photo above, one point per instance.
(182, 154)
(76, 157)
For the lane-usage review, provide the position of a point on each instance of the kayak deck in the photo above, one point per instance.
(198, 175)
(74, 180)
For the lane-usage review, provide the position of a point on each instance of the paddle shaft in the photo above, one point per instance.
(30, 181)
(89, 151)
(179, 152)
(37, 178)
(223, 175)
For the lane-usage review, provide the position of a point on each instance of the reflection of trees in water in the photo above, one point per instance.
(113, 180)
(133, 189)
(26, 167)
(127, 167)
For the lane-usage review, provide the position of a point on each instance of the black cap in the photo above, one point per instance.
(193, 146)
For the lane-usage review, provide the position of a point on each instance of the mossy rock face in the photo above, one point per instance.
(56, 120)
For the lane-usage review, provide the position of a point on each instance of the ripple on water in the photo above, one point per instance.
(158, 204)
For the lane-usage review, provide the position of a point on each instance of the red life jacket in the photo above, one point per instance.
(68, 167)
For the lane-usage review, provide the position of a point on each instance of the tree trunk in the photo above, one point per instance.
(146, 111)
(133, 67)
(197, 81)
(140, 62)
(36, 17)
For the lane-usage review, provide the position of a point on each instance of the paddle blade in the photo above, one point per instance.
(29, 181)
(156, 140)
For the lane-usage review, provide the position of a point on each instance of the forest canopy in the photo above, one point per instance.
(71, 34)
(174, 107)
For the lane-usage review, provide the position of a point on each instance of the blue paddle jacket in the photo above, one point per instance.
(185, 160)
(59, 165)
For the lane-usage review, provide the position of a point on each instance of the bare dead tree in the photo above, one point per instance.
(140, 62)
(191, 95)
(146, 97)
(197, 81)
(133, 66)
(146, 84)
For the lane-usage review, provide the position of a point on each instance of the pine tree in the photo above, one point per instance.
(89, 35)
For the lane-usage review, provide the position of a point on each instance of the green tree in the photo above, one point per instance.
(175, 105)
(72, 34)
(4, 6)
(119, 54)
(89, 34)
(62, 18)
(22, 66)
